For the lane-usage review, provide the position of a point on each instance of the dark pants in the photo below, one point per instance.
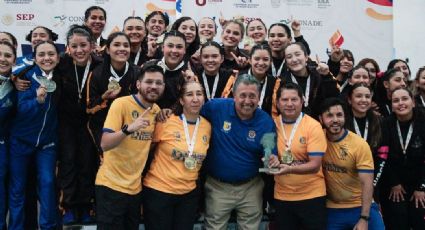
(304, 214)
(164, 211)
(78, 163)
(116, 210)
(402, 215)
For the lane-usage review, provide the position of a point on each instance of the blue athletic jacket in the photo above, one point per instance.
(7, 102)
(34, 123)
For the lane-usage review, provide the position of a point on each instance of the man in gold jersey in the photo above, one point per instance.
(348, 170)
(127, 136)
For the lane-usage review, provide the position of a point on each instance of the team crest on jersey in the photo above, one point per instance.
(205, 139)
(302, 140)
(343, 153)
(177, 136)
(134, 114)
(227, 126)
(252, 134)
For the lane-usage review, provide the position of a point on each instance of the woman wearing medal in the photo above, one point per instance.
(317, 84)
(171, 195)
(211, 76)
(403, 181)
(299, 180)
(33, 137)
(7, 102)
(135, 29)
(260, 60)
(115, 77)
(77, 154)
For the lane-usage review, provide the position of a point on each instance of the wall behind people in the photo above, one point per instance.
(365, 25)
(20, 16)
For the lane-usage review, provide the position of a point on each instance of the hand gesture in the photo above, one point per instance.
(21, 84)
(241, 61)
(419, 198)
(152, 47)
(296, 27)
(336, 54)
(139, 123)
(41, 94)
(322, 68)
(163, 115)
(222, 20)
(397, 193)
(111, 93)
(188, 74)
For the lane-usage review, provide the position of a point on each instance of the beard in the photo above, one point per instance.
(148, 96)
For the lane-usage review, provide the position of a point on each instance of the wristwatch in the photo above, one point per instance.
(366, 218)
(125, 131)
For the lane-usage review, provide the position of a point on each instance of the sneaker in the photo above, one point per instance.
(69, 218)
(86, 217)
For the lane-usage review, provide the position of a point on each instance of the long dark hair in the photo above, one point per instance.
(375, 135)
(194, 46)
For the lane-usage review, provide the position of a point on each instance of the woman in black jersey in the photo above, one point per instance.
(316, 83)
(77, 155)
(95, 20)
(135, 29)
(188, 27)
(420, 84)
(114, 78)
(211, 76)
(392, 79)
(404, 174)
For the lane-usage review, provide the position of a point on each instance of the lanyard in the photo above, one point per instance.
(136, 60)
(422, 100)
(343, 85)
(279, 71)
(48, 76)
(115, 75)
(86, 73)
(3, 79)
(5, 86)
(207, 88)
(263, 90)
(400, 138)
(307, 89)
(190, 142)
(294, 129)
(165, 67)
(388, 108)
(366, 129)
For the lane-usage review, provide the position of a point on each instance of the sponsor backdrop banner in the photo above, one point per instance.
(366, 25)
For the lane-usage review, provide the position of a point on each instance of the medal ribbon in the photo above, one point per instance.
(263, 90)
(279, 71)
(136, 60)
(190, 142)
(86, 73)
(115, 75)
(294, 129)
(366, 129)
(165, 67)
(207, 88)
(343, 85)
(422, 100)
(400, 138)
(307, 89)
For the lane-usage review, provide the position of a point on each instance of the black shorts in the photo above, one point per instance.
(116, 210)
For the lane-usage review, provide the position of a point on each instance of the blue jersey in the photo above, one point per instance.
(22, 62)
(34, 123)
(7, 103)
(235, 150)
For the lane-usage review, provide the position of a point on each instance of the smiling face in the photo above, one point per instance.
(192, 99)
(156, 25)
(39, 35)
(402, 104)
(290, 104)
(231, 35)
(135, 30)
(151, 86)
(79, 49)
(246, 97)
(188, 28)
(207, 29)
(260, 63)
(46, 57)
(360, 101)
(360, 75)
(96, 22)
(403, 68)
(296, 59)
(7, 59)
(174, 49)
(346, 65)
(256, 31)
(333, 120)
(119, 50)
(278, 39)
(396, 81)
(211, 59)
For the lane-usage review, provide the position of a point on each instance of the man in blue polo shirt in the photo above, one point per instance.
(234, 157)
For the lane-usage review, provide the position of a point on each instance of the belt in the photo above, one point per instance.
(234, 182)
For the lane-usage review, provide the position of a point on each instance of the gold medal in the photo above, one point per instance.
(49, 84)
(113, 85)
(287, 157)
(190, 163)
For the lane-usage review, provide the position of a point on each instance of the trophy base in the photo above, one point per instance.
(268, 170)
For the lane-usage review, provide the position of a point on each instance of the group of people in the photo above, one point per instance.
(167, 124)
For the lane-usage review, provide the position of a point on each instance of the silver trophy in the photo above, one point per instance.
(268, 143)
